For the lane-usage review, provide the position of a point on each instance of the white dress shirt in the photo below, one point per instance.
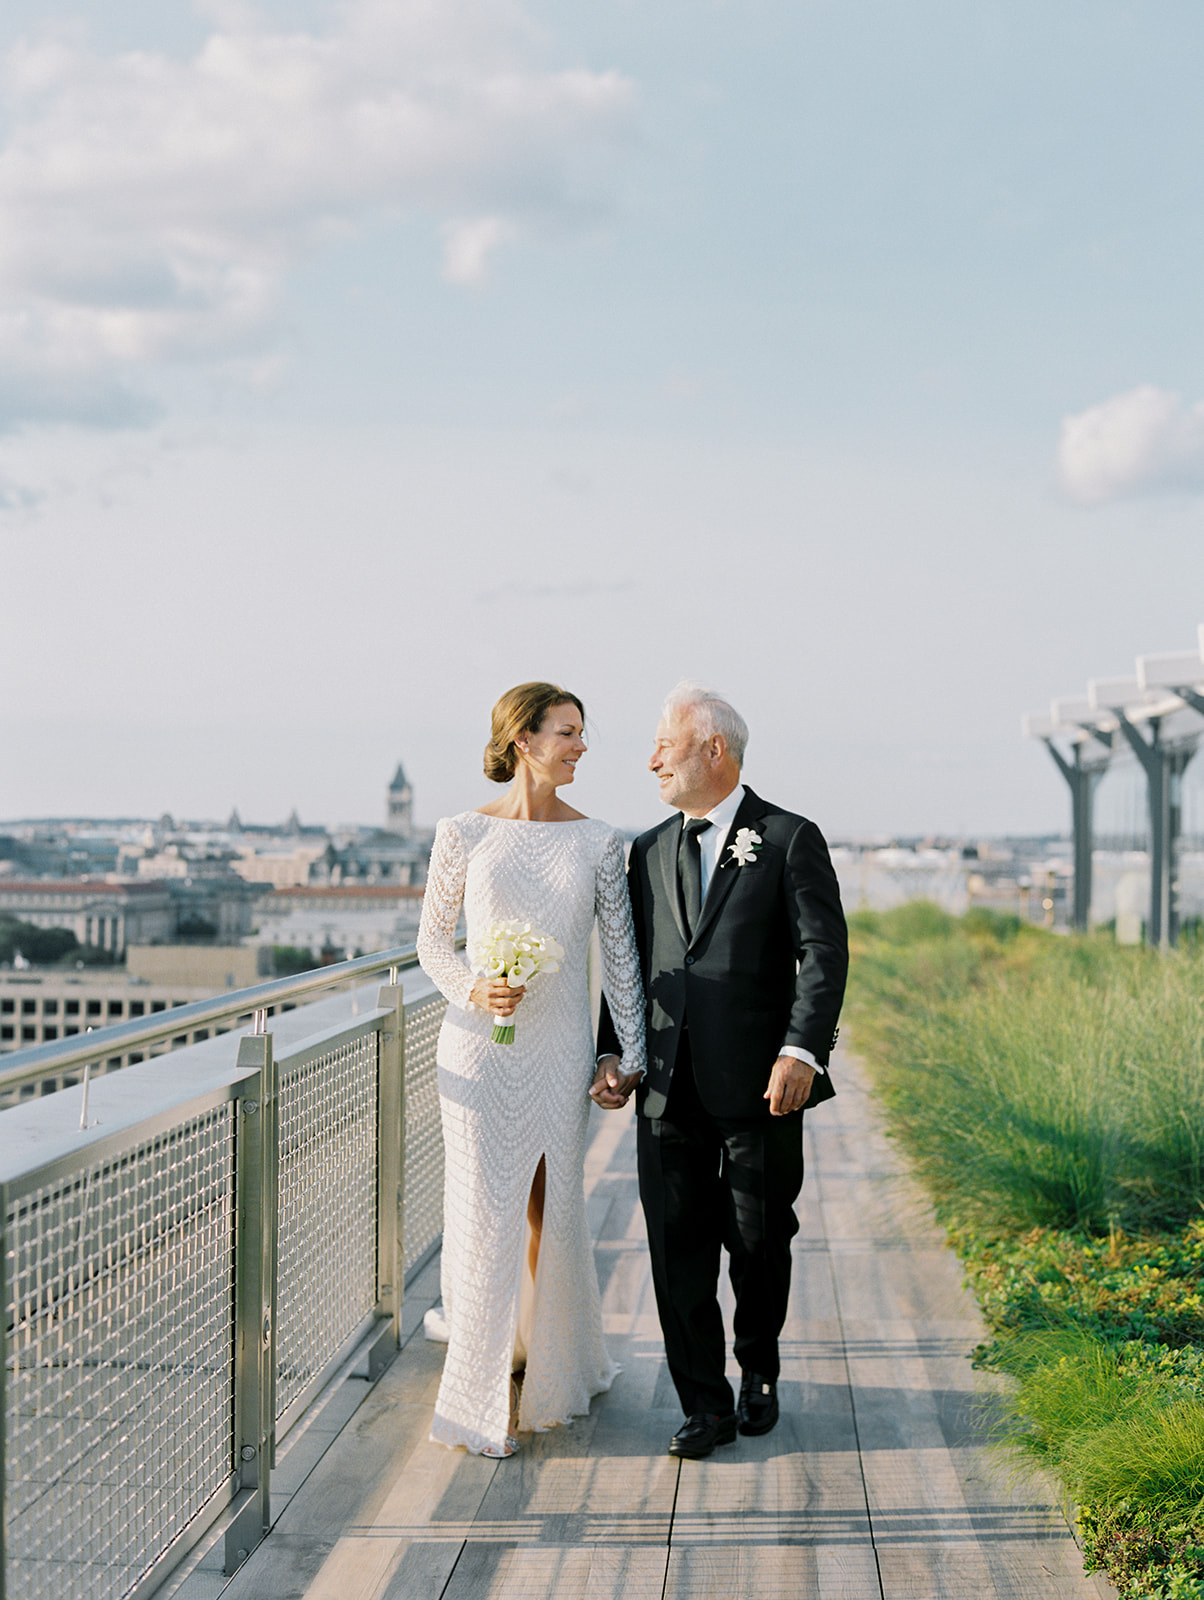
(711, 845)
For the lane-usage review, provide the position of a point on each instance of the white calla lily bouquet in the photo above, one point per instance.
(514, 952)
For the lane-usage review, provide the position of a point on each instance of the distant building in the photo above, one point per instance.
(68, 850)
(107, 914)
(399, 805)
(393, 855)
(41, 1006)
(350, 917)
(286, 868)
(222, 908)
(372, 858)
(115, 913)
(219, 867)
(202, 969)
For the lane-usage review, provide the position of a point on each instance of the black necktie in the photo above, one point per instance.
(689, 869)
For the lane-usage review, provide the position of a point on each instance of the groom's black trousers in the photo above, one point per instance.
(708, 1182)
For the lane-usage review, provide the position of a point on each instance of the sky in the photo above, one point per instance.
(360, 360)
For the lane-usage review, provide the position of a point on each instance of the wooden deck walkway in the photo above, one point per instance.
(874, 1486)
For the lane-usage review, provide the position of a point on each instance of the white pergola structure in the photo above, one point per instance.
(1159, 714)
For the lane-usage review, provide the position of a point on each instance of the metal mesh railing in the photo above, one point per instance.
(118, 1374)
(121, 1401)
(424, 1132)
(326, 1273)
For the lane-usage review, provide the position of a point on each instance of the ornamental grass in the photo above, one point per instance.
(1037, 1081)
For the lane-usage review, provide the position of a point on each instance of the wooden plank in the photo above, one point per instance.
(957, 1575)
(846, 1572)
(764, 1572)
(629, 1316)
(550, 1572)
(606, 1480)
(422, 1570)
(339, 1520)
(812, 1309)
(412, 1538)
(944, 1527)
(420, 1295)
(801, 1483)
(609, 1133)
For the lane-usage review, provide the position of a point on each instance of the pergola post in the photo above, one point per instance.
(1082, 780)
(1166, 685)
(1164, 766)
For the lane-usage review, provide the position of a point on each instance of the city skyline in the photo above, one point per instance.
(359, 360)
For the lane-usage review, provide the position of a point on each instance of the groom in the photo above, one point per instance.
(743, 953)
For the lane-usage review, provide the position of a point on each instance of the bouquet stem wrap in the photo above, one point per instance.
(515, 953)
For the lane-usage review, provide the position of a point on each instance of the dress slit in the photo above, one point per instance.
(528, 1281)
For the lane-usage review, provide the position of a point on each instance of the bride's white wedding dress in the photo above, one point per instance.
(505, 1106)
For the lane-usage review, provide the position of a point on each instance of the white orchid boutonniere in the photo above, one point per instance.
(744, 850)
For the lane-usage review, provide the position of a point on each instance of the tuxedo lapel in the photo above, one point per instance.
(666, 851)
(724, 876)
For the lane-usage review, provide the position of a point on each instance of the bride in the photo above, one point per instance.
(520, 1292)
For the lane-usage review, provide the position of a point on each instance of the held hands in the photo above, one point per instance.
(789, 1085)
(496, 997)
(612, 1088)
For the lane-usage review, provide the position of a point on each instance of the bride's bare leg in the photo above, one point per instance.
(515, 1396)
(539, 1186)
(535, 1202)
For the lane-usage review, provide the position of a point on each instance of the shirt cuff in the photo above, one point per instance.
(799, 1054)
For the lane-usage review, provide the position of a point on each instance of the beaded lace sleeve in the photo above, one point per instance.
(441, 906)
(620, 963)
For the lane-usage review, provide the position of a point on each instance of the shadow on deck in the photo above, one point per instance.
(874, 1486)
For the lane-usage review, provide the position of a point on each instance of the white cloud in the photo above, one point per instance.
(149, 206)
(1145, 441)
(467, 247)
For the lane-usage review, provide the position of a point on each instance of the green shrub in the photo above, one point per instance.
(1123, 1428)
(1114, 1431)
(290, 958)
(42, 946)
(1147, 1556)
(1118, 1288)
(985, 923)
(1067, 1384)
(916, 920)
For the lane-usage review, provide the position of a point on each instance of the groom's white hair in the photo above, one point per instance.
(710, 714)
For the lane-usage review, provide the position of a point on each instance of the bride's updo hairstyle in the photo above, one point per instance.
(520, 710)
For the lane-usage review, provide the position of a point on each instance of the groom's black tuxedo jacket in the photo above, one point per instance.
(766, 965)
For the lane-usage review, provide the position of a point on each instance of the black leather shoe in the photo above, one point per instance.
(757, 1408)
(699, 1434)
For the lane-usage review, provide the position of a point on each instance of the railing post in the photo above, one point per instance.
(257, 1179)
(6, 1310)
(390, 1171)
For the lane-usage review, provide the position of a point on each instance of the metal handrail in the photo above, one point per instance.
(41, 1060)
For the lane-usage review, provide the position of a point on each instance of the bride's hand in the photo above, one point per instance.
(498, 998)
(611, 1088)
